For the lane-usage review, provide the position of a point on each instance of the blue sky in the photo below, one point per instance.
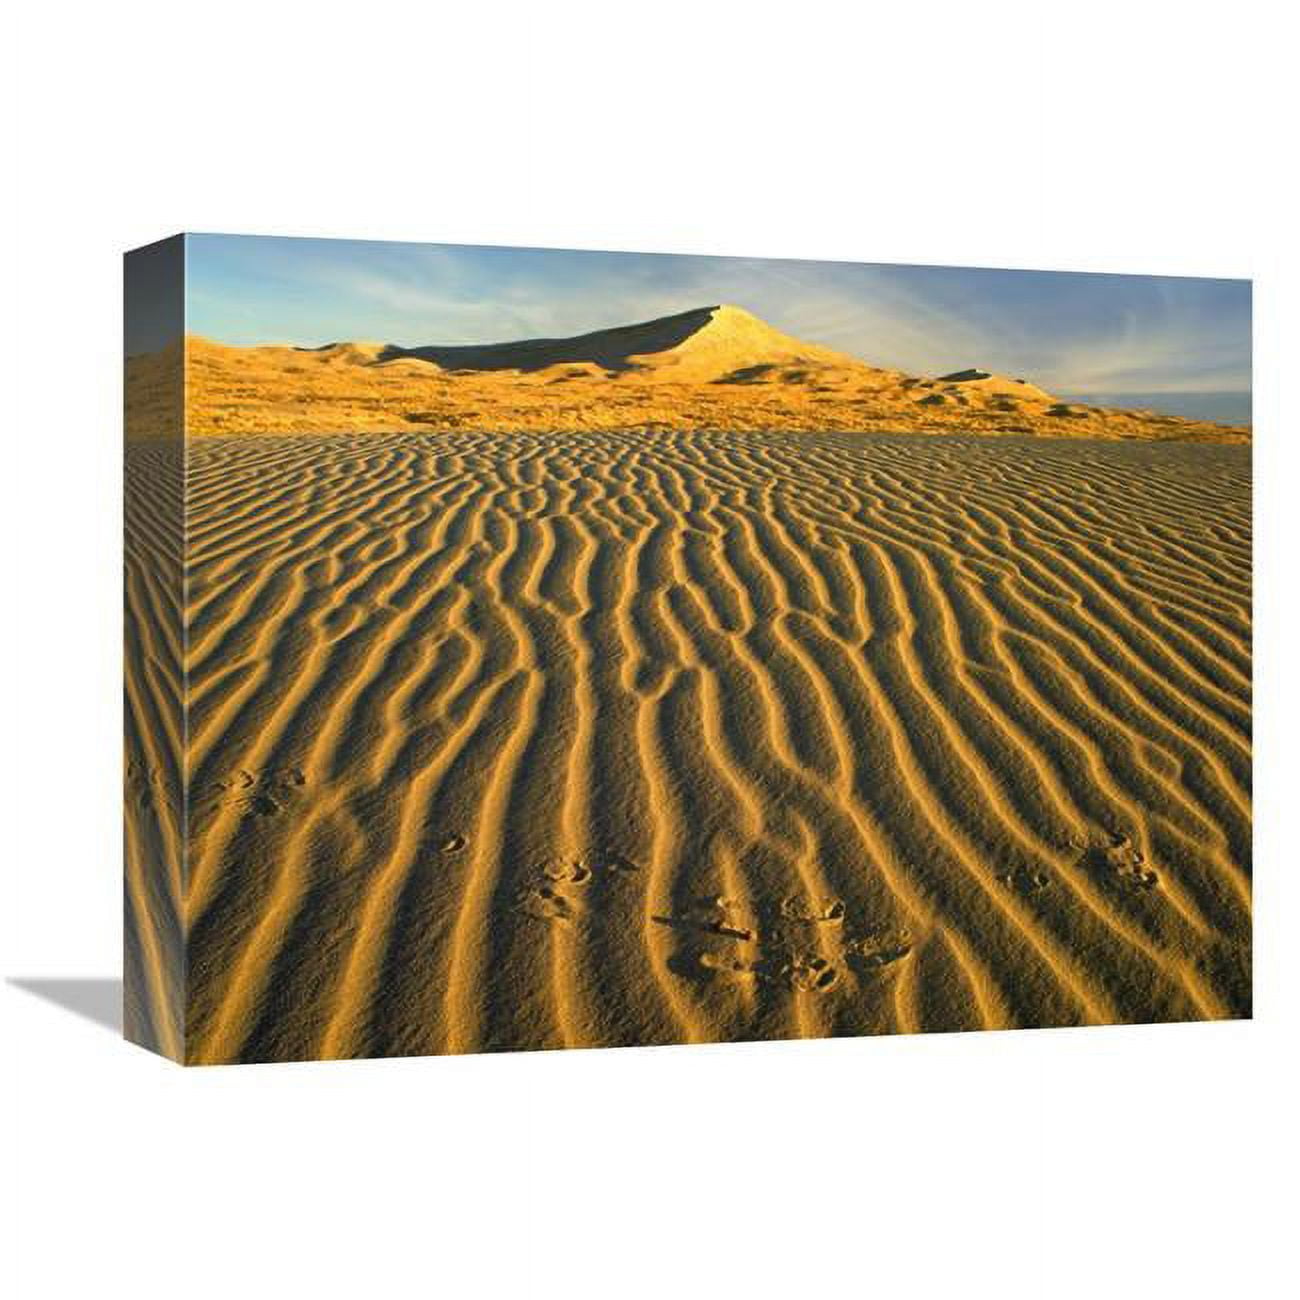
(1073, 333)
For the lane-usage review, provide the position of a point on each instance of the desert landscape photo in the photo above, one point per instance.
(534, 649)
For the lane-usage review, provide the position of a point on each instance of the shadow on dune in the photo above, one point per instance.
(97, 1000)
(612, 349)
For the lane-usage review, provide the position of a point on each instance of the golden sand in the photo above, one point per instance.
(154, 949)
(714, 368)
(523, 740)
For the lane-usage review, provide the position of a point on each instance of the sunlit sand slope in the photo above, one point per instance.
(713, 368)
(522, 741)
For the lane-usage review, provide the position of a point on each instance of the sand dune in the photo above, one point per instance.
(700, 345)
(521, 741)
(712, 368)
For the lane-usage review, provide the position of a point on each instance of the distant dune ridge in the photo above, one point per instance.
(693, 346)
(717, 368)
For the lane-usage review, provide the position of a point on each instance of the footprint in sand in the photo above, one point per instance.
(567, 873)
(259, 794)
(708, 915)
(810, 974)
(799, 909)
(724, 929)
(552, 900)
(1121, 863)
(148, 786)
(725, 963)
(547, 904)
(875, 952)
(611, 861)
(1132, 875)
(772, 956)
(711, 941)
(1026, 880)
(236, 781)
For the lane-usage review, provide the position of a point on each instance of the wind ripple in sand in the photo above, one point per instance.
(513, 741)
(154, 949)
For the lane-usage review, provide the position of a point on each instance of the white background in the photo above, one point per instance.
(1124, 1162)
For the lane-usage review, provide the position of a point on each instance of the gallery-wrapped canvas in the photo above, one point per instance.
(534, 648)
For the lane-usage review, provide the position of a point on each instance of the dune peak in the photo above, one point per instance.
(716, 367)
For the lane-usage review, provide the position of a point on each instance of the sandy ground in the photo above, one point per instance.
(715, 368)
(523, 741)
(154, 715)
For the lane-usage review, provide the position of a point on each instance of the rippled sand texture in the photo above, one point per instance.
(521, 741)
(154, 938)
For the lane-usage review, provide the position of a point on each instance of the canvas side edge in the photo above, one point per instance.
(153, 1013)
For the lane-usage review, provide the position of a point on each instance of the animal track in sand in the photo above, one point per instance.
(781, 951)
(798, 909)
(553, 897)
(1121, 864)
(149, 787)
(799, 972)
(710, 915)
(1025, 879)
(809, 974)
(878, 950)
(609, 860)
(782, 954)
(140, 774)
(726, 964)
(915, 758)
(259, 794)
(568, 873)
(547, 904)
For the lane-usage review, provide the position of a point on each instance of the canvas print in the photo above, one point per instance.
(535, 648)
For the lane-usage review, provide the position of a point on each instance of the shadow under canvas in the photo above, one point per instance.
(97, 1000)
